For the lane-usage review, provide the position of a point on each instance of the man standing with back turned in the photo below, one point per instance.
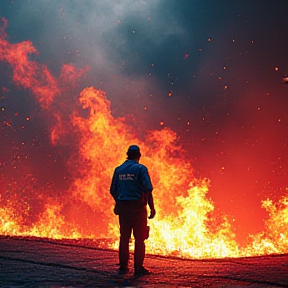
(131, 189)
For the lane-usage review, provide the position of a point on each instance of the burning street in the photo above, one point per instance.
(200, 92)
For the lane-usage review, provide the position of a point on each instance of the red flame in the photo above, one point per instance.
(96, 142)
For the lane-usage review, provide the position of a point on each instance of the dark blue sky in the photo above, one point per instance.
(216, 58)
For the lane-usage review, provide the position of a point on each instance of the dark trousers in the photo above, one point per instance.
(132, 217)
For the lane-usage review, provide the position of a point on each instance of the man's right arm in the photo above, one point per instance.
(148, 192)
(151, 206)
(146, 181)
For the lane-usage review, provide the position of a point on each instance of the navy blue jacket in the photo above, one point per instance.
(130, 180)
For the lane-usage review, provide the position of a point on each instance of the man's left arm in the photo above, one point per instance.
(114, 186)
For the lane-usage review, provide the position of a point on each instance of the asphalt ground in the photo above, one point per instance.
(37, 262)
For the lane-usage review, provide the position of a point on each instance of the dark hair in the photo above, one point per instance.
(132, 155)
(133, 152)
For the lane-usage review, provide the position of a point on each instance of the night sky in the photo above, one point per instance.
(212, 71)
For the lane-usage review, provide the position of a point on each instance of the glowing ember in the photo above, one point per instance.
(186, 224)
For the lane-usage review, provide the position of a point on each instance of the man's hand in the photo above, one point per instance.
(152, 214)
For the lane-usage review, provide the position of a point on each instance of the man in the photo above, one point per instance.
(131, 189)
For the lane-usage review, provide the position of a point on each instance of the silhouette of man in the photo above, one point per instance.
(131, 189)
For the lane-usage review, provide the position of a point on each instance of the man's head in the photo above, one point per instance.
(133, 152)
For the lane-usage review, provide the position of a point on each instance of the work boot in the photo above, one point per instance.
(123, 270)
(141, 271)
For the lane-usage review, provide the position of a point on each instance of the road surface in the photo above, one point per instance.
(36, 262)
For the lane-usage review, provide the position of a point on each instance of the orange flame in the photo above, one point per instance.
(185, 225)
